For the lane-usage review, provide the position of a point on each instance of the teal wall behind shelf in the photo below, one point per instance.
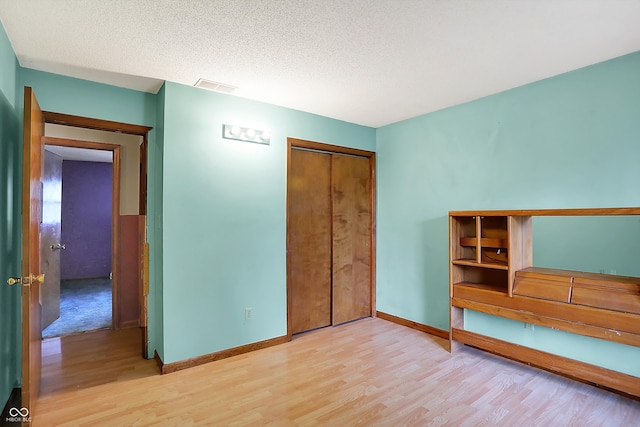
(570, 141)
(609, 245)
(610, 355)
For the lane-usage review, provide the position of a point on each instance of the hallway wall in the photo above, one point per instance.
(86, 219)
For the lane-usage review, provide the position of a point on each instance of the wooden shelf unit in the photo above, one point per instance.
(491, 271)
(489, 242)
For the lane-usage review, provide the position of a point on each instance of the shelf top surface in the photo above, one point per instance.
(473, 263)
(579, 274)
(551, 212)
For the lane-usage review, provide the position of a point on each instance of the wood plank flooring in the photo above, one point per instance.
(371, 372)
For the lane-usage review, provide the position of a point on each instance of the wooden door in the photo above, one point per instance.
(50, 246)
(309, 240)
(330, 235)
(352, 222)
(31, 219)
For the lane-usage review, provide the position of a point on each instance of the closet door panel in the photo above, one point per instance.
(309, 240)
(351, 197)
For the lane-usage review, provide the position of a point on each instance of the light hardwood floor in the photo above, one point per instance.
(371, 372)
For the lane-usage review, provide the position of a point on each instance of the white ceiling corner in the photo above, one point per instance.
(371, 62)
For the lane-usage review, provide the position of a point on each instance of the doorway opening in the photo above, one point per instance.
(32, 220)
(104, 282)
(77, 237)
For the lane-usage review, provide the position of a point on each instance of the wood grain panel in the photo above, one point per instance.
(609, 292)
(328, 148)
(614, 320)
(50, 236)
(551, 287)
(33, 130)
(520, 246)
(130, 278)
(552, 212)
(459, 228)
(92, 123)
(351, 188)
(549, 322)
(309, 240)
(463, 229)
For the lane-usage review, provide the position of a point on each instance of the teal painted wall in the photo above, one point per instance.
(568, 141)
(224, 224)
(610, 355)
(608, 245)
(68, 95)
(9, 64)
(10, 255)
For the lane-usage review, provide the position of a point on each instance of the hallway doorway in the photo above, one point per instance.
(76, 252)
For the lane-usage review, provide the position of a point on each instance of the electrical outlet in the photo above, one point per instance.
(248, 313)
(530, 326)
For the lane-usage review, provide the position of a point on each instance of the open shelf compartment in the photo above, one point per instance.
(481, 277)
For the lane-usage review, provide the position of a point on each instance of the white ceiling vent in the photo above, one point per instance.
(215, 86)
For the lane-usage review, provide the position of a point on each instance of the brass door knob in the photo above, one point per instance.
(26, 281)
(13, 280)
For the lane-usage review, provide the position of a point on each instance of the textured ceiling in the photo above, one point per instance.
(371, 62)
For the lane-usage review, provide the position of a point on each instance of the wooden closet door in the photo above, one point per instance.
(309, 240)
(351, 196)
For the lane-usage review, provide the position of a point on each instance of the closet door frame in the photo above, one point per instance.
(294, 143)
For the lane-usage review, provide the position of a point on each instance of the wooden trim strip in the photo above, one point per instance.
(115, 238)
(614, 320)
(97, 124)
(129, 324)
(551, 212)
(158, 360)
(549, 322)
(77, 143)
(319, 146)
(167, 368)
(144, 175)
(573, 369)
(440, 333)
(288, 242)
(373, 250)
